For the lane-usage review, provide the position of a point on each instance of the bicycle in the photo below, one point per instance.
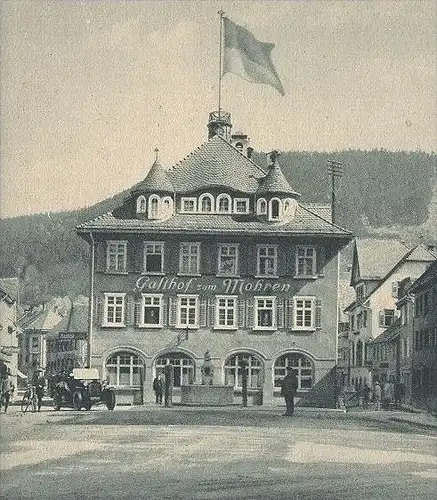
(30, 399)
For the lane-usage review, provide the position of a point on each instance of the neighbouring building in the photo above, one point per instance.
(377, 269)
(424, 348)
(67, 342)
(9, 329)
(216, 254)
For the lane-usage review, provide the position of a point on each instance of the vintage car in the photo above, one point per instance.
(83, 389)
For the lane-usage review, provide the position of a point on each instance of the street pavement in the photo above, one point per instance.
(217, 453)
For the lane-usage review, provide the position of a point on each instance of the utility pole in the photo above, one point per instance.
(335, 169)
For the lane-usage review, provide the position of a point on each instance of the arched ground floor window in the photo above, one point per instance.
(234, 371)
(302, 367)
(183, 367)
(123, 369)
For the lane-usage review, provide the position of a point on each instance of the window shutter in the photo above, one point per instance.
(100, 256)
(381, 319)
(249, 313)
(164, 305)
(202, 312)
(173, 311)
(289, 313)
(138, 312)
(139, 256)
(320, 259)
(318, 314)
(129, 310)
(211, 312)
(280, 313)
(291, 261)
(100, 301)
(241, 313)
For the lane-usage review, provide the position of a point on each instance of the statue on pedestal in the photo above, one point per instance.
(207, 370)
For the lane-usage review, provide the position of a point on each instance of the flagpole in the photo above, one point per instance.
(221, 13)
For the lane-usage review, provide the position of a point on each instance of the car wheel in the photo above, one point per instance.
(110, 400)
(77, 401)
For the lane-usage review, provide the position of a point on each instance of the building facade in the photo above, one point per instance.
(218, 255)
(378, 267)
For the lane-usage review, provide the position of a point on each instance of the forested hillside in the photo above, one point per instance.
(387, 187)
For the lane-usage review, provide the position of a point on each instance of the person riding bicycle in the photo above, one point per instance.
(39, 382)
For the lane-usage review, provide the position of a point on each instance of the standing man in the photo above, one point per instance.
(7, 391)
(39, 382)
(158, 388)
(288, 391)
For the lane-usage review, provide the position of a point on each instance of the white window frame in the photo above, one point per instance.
(188, 297)
(123, 244)
(169, 211)
(155, 244)
(241, 200)
(259, 203)
(153, 296)
(312, 308)
(275, 261)
(141, 205)
(116, 296)
(305, 257)
(257, 309)
(186, 199)
(211, 198)
(360, 291)
(134, 363)
(227, 308)
(152, 199)
(221, 246)
(181, 254)
(271, 218)
(217, 201)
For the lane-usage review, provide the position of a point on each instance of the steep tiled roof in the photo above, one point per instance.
(426, 279)
(304, 222)
(389, 333)
(421, 254)
(376, 257)
(275, 182)
(156, 181)
(216, 163)
(9, 287)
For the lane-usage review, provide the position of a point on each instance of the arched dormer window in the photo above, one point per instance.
(206, 202)
(154, 202)
(289, 207)
(275, 209)
(223, 203)
(261, 206)
(167, 206)
(141, 205)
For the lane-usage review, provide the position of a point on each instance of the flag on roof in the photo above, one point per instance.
(247, 57)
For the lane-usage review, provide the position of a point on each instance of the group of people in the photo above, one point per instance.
(388, 393)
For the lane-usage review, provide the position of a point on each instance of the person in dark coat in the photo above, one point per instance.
(158, 388)
(288, 391)
(38, 381)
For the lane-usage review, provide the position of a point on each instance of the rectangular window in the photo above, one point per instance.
(187, 311)
(306, 261)
(241, 205)
(116, 256)
(188, 204)
(304, 313)
(189, 258)
(386, 318)
(35, 343)
(267, 260)
(114, 309)
(154, 257)
(360, 291)
(151, 311)
(265, 317)
(228, 260)
(226, 312)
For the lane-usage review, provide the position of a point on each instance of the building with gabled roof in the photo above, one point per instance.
(215, 254)
(378, 266)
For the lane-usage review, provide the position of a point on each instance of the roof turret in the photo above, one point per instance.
(275, 181)
(156, 181)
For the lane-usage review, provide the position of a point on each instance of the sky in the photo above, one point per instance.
(90, 88)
